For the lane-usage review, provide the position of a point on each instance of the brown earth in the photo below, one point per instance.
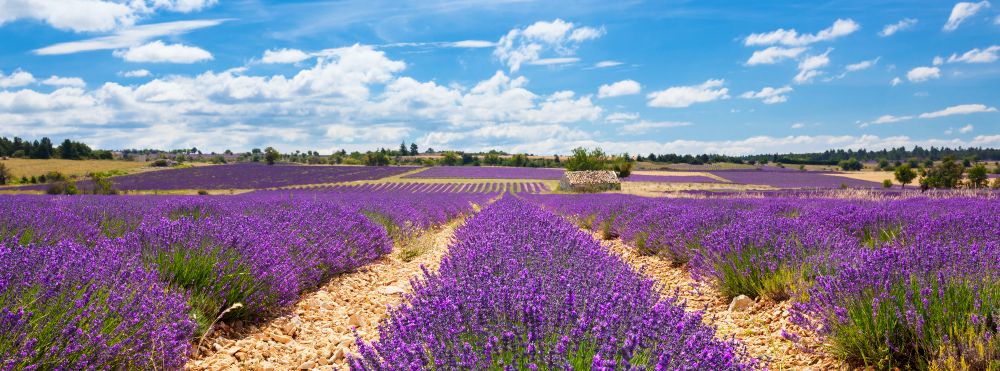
(759, 327)
(316, 333)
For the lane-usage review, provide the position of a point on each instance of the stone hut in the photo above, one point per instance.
(589, 181)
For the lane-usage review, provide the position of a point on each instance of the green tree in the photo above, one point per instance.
(68, 151)
(103, 184)
(850, 164)
(5, 175)
(271, 155)
(451, 159)
(582, 160)
(905, 175)
(492, 158)
(414, 150)
(887, 183)
(377, 158)
(402, 149)
(947, 174)
(977, 176)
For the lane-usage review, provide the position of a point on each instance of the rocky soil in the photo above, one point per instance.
(756, 324)
(316, 333)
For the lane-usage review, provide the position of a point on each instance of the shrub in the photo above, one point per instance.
(886, 184)
(63, 187)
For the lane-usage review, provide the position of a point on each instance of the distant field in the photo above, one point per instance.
(27, 167)
(871, 176)
(487, 172)
(251, 176)
(788, 178)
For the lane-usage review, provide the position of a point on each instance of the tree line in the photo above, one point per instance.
(44, 149)
(835, 156)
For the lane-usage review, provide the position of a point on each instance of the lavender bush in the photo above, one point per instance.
(522, 289)
(69, 306)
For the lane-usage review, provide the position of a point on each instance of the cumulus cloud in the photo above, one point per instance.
(896, 81)
(135, 73)
(840, 27)
(773, 55)
(158, 52)
(624, 87)
(892, 29)
(284, 56)
(921, 74)
(92, 15)
(528, 45)
(75, 82)
(646, 126)
(606, 64)
(128, 37)
(769, 95)
(809, 67)
(17, 79)
(798, 125)
(863, 65)
(966, 129)
(962, 11)
(685, 96)
(987, 55)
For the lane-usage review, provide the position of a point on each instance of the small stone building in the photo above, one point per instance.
(589, 181)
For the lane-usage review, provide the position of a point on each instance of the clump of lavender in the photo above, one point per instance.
(70, 306)
(522, 288)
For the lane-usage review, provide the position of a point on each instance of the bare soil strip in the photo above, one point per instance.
(316, 333)
(759, 327)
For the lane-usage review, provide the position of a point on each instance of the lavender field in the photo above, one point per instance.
(487, 172)
(527, 280)
(787, 178)
(249, 176)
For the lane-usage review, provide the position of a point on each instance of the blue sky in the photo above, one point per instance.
(528, 76)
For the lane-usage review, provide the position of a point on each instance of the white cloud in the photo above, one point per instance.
(472, 44)
(962, 109)
(896, 81)
(988, 55)
(284, 56)
(128, 37)
(684, 96)
(773, 55)
(371, 134)
(646, 126)
(966, 129)
(962, 11)
(840, 27)
(798, 125)
(135, 73)
(91, 15)
(17, 79)
(921, 74)
(158, 52)
(863, 65)
(552, 61)
(527, 45)
(809, 67)
(624, 87)
(891, 29)
(621, 117)
(75, 82)
(769, 95)
(606, 64)
(937, 61)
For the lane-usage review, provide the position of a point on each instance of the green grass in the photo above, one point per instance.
(877, 333)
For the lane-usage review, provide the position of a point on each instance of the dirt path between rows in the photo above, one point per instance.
(316, 334)
(759, 327)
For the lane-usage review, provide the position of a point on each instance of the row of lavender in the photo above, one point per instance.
(415, 187)
(103, 282)
(910, 283)
(521, 288)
